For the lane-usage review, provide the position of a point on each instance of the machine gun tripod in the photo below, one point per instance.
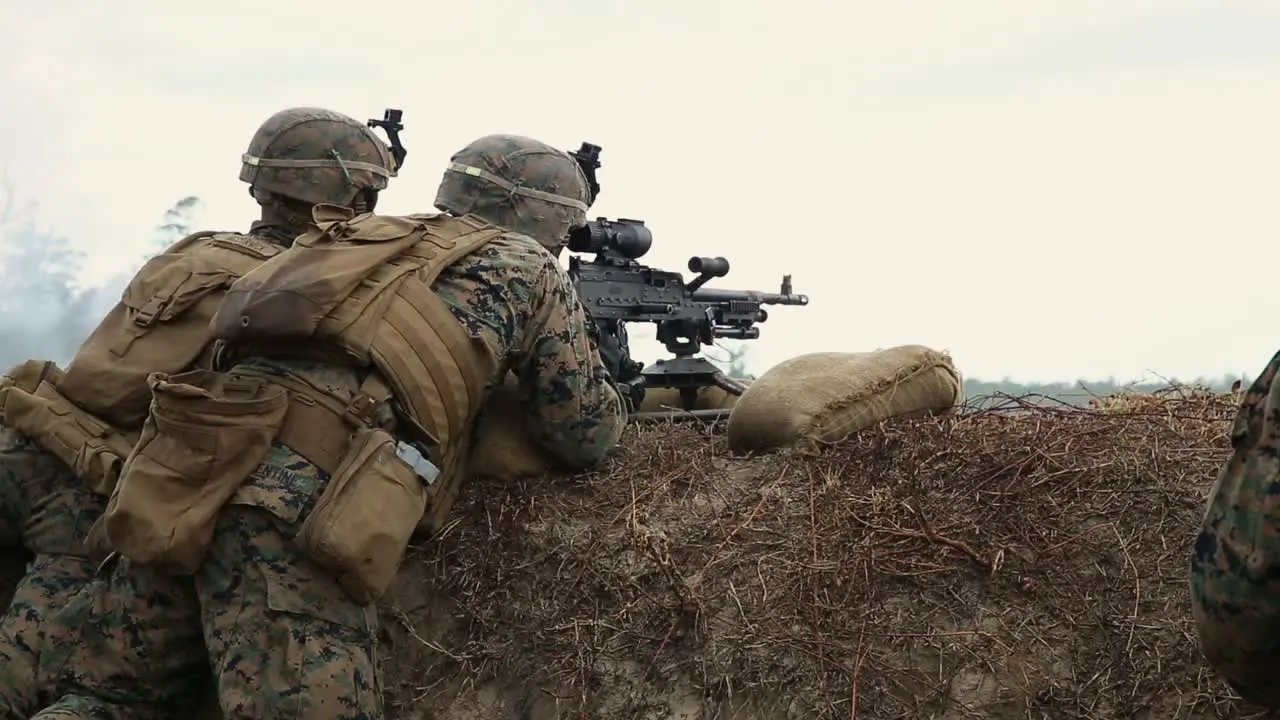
(688, 375)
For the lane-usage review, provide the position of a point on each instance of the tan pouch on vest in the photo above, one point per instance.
(361, 525)
(94, 450)
(161, 324)
(286, 297)
(206, 433)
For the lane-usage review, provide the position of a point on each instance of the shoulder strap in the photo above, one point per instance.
(187, 241)
(463, 245)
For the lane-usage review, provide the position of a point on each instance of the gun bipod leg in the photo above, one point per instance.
(728, 384)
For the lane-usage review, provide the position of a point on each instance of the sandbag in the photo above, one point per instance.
(502, 447)
(824, 397)
(710, 398)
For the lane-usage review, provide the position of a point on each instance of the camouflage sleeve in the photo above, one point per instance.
(1235, 586)
(570, 404)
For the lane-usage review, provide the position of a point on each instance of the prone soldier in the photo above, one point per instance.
(67, 433)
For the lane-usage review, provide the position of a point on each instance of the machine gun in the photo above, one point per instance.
(616, 289)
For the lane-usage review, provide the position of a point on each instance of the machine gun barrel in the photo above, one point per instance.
(716, 295)
(785, 297)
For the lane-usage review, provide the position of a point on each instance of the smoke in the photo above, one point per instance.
(45, 312)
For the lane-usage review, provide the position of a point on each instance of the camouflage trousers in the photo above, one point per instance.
(45, 510)
(283, 639)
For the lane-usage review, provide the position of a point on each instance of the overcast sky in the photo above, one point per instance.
(1048, 189)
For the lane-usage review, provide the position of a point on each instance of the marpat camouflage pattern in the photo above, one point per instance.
(45, 509)
(282, 638)
(513, 291)
(1235, 567)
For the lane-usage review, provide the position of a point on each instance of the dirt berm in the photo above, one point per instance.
(1025, 562)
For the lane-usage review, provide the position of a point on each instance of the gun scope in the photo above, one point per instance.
(710, 266)
(628, 238)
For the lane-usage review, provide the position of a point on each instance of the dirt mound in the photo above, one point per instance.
(1021, 562)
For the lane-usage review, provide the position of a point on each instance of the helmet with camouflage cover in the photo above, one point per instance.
(314, 155)
(519, 183)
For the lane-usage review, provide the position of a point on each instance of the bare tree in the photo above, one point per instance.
(735, 366)
(178, 222)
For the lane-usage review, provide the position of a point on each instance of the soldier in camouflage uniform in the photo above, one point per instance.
(284, 639)
(1235, 565)
(298, 157)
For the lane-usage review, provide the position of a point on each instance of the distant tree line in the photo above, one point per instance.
(1081, 391)
(734, 360)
